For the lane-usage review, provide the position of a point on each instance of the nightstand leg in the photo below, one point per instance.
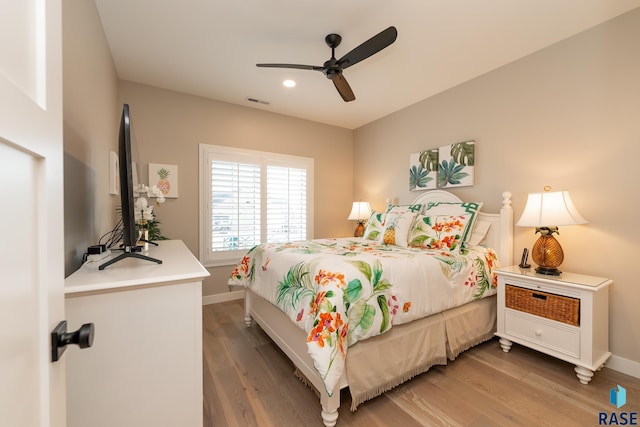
(505, 344)
(584, 374)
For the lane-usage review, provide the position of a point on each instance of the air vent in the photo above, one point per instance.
(257, 101)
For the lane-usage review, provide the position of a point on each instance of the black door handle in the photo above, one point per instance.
(60, 338)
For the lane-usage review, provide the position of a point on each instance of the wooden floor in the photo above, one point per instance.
(248, 381)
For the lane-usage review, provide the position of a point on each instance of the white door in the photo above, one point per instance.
(32, 389)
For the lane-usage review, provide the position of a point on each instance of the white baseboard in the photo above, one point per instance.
(626, 366)
(227, 296)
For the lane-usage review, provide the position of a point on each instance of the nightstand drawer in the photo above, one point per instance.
(536, 330)
(555, 307)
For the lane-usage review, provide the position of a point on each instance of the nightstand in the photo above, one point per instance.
(564, 316)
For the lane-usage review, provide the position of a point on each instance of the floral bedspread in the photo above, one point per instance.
(344, 290)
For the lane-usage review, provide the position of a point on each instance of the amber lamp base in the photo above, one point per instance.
(359, 232)
(548, 254)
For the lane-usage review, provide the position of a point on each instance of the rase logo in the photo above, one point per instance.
(618, 398)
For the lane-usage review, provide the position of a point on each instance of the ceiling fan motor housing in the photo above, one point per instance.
(331, 68)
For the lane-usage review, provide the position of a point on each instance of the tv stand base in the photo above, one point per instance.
(128, 255)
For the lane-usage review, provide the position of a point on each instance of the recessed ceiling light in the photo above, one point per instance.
(289, 83)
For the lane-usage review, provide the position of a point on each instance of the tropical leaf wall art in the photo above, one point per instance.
(444, 167)
(423, 170)
(456, 163)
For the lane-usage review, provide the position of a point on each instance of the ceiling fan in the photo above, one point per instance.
(333, 67)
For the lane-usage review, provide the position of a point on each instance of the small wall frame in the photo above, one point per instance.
(165, 177)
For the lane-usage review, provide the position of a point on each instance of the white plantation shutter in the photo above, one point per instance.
(235, 205)
(286, 204)
(250, 197)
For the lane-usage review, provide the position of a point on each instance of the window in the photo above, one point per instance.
(249, 197)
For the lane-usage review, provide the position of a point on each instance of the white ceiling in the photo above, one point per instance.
(210, 47)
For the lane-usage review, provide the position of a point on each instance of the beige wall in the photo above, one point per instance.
(566, 116)
(90, 85)
(169, 126)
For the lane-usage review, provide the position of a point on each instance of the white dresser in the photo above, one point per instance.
(145, 365)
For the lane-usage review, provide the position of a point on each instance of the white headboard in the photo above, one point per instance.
(500, 235)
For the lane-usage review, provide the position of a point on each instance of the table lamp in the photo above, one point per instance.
(360, 211)
(546, 211)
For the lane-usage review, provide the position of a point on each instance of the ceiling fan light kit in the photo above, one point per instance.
(333, 68)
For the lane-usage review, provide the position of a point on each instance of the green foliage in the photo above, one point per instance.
(374, 235)
(296, 284)
(483, 281)
(463, 153)
(382, 303)
(361, 313)
(450, 173)
(353, 292)
(547, 231)
(418, 177)
(429, 160)
(422, 226)
(361, 316)
(153, 228)
(364, 268)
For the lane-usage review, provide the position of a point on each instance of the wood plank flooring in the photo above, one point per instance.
(248, 381)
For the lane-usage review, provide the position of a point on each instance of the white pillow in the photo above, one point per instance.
(479, 233)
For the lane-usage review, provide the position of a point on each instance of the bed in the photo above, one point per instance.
(357, 313)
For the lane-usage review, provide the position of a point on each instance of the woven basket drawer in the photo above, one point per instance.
(555, 307)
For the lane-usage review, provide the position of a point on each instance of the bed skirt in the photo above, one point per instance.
(381, 363)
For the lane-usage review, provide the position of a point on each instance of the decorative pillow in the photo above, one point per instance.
(416, 208)
(374, 226)
(396, 228)
(438, 231)
(479, 233)
(452, 208)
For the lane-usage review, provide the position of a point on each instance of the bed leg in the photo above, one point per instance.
(329, 418)
(330, 407)
(247, 309)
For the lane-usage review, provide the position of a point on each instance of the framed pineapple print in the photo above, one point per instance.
(165, 177)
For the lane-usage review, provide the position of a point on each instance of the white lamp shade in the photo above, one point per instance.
(360, 211)
(550, 209)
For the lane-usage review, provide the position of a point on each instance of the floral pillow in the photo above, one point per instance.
(456, 209)
(396, 228)
(438, 231)
(374, 226)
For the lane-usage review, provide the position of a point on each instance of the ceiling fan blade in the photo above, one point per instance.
(374, 45)
(343, 87)
(296, 66)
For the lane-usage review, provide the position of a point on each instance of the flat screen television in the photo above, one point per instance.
(129, 234)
